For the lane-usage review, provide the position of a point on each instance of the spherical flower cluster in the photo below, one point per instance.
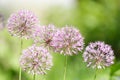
(36, 60)
(44, 34)
(68, 41)
(98, 55)
(1, 21)
(22, 23)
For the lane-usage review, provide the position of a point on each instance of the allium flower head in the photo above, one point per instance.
(44, 34)
(68, 41)
(36, 60)
(98, 55)
(1, 21)
(22, 23)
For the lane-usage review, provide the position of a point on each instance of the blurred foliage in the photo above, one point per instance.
(96, 20)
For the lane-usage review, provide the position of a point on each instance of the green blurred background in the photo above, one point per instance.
(96, 20)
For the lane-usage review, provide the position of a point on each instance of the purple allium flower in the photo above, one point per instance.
(68, 41)
(1, 21)
(22, 23)
(36, 60)
(98, 55)
(44, 34)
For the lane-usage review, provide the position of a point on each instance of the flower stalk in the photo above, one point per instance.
(65, 68)
(34, 76)
(20, 73)
(95, 74)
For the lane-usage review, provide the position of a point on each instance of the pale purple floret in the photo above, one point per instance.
(22, 23)
(36, 60)
(98, 55)
(44, 34)
(68, 41)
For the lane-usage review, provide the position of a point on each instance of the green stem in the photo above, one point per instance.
(20, 74)
(21, 44)
(34, 77)
(95, 74)
(65, 68)
(110, 77)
